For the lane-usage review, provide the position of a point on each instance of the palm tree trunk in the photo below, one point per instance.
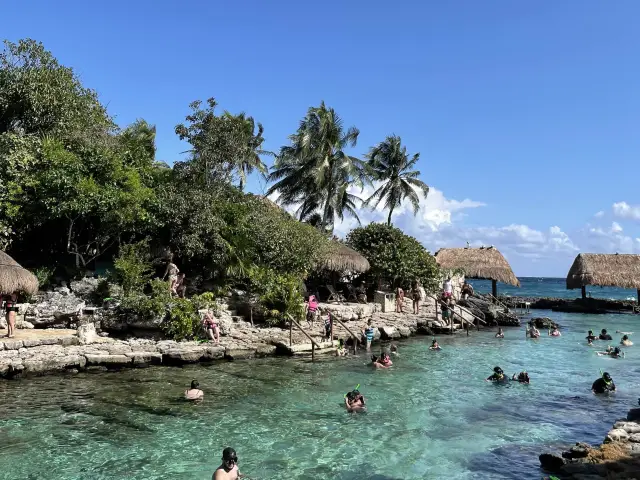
(389, 217)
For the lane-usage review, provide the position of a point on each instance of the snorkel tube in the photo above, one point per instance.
(355, 389)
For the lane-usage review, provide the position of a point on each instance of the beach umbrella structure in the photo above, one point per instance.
(14, 278)
(605, 270)
(342, 259)
(485, 263)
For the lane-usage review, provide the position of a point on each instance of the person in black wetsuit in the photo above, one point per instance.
(604, 384)
(604, 335)
(591, 336)
(498, 376)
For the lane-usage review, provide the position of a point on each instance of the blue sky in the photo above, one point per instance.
(526, 114)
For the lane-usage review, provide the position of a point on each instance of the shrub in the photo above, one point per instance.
(394, 256)
(278, 294)
(183, 321)
(133, 267)
(44, 276)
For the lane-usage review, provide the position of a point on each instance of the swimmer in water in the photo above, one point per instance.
(522, 377)
(500, 333)
(394, 349)
(383, 361)
(555, 332)
(590, 342)
(625, 342)
(604, 335)
(603, 384)
(341, 351)
(533, 332)
(591, 336)
(228, 470)
(194, 393)
(498, 376)
(354, 401)
(434, 345)
(617, 353)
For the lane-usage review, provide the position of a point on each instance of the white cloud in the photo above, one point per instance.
(599, 214)
(616, 228)
(624, 210)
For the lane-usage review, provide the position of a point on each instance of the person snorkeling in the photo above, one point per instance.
(498, 376)
(590, 342)
(354, 401)
(591, 336)
(604, 335)
(522, 377)
(500, 333)
(616, 353)
(625, 342)
(434, 345)
(604, 384)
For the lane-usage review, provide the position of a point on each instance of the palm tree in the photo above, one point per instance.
(314, 171)
(249, 158)
(388, 162)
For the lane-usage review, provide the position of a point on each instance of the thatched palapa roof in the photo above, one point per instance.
(485, 263)
(14, 278)
(605, 269)
(344, 259)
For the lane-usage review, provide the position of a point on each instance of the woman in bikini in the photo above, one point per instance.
(11, 308)
(172, 273)
(210, 325)
(399, 300)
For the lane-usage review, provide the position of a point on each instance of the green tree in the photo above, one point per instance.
(315, 172)
(394, 257)
(40, 96)
(389, 163)
(223, 147)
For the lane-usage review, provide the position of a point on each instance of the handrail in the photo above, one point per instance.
(461, 307)
(490, 295)
(293, 322)
(356, 339)
(472, 314)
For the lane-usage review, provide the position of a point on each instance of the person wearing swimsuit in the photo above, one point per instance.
(12, 309)
(171, 272)
(211, 327)
(228, 470)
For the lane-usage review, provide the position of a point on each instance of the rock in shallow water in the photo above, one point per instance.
(551, 462)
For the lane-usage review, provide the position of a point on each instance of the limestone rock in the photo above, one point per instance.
(108, 360)
(616, 435)
(239, 354)
(147, 358)
(389, 333)
(13, 344)
(629, 427)
(85, 287)
(404, 332)
(87, 334)
(266, 351)
(579, 450)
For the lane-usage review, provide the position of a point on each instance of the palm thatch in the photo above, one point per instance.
(606, 270)
(14, 278)
(485, 263)
(344, 259)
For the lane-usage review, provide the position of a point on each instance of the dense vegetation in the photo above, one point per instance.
(78, 189)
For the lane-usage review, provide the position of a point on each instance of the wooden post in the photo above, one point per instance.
(494, 290)
(331, 339)
(584, 292)
(313, 352)
(291, 333)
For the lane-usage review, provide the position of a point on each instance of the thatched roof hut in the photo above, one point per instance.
(606, 270)
(344, 259)
(14, 278)
(484, 263)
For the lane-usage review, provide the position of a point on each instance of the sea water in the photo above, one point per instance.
(431, 415)
(553, 287)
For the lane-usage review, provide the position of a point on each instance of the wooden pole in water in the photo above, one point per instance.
(584, 292)
(313, 352)
(494, 290)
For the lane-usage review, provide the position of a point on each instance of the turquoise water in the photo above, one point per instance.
(430, 416)
(552, 287)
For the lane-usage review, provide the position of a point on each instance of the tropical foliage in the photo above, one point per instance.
(389, 164)
(315, 172)
(78, 190)
(395, 258)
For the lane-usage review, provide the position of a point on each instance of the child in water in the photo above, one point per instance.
(383, 361)
(555, 332)
(354, 401)
(434, 345)
(500, 333)
(341, 351)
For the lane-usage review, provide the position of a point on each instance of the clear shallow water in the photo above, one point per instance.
(430, 416)
(552, 287)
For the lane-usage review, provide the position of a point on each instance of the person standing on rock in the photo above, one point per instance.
(447, 288)
(12, 310)
(369, 334)
(416, 295)
(194, 393)
(399, 300)
(172, 273)
(228, 469)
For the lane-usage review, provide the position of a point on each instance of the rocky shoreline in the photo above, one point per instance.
(578, 305)
(617, 457)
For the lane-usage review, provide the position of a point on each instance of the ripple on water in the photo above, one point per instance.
(430, 416)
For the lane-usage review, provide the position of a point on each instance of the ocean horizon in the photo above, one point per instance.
(553, 287)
